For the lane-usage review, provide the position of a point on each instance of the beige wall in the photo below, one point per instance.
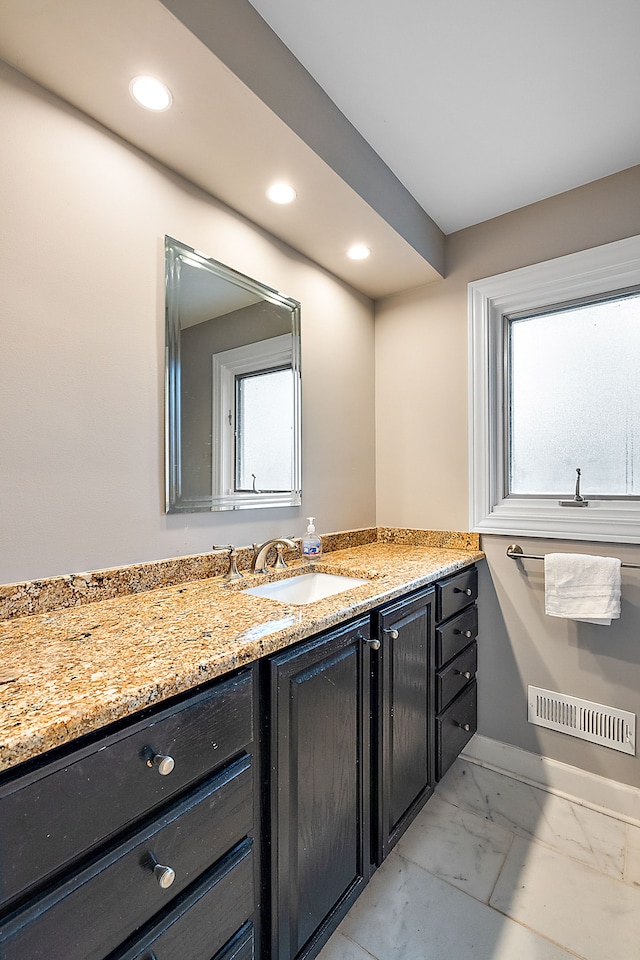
(422, 475)
(82, 355)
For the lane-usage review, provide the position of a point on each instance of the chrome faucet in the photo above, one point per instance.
(260, 561)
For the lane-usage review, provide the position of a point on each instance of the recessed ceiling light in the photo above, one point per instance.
(281, 193)
(150, 93)
(358, 252)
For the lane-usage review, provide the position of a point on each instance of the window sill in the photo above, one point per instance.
(602, 520)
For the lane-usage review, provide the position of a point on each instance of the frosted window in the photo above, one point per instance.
(264, 434)
(574, 392)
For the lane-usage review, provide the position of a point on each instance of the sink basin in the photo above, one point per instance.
(306, 587)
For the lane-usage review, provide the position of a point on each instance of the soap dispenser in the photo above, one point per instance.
(311, 544)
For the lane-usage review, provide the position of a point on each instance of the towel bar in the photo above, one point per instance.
(514, 550)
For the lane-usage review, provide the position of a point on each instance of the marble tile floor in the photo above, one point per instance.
(495, 869)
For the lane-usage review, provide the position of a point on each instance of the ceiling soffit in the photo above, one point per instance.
(223, 136)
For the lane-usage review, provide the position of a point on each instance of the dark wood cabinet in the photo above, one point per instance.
(66, 807)
(320, 831)
(403, 716)
(243, 819)
(361, 721)
(128, 830)
(456, 663)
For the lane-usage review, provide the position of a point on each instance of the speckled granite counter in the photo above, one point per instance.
(65, 673)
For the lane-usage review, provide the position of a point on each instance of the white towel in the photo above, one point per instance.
(581, 587)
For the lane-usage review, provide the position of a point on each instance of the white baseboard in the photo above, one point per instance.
(588, 789)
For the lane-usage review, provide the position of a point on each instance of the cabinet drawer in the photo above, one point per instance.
(240, 947)
(47, 820)
(213, 917)
(451, 732)
(120, 892)
(451, 679)
(456, 592)
(453, 636)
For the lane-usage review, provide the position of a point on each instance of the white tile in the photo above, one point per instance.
(455, 845)
(587, 835)
(408, 914)
(583, 910)
(340, 948)
(632, 867)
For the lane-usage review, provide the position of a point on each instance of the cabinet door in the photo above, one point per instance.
(320, 786)
(404, 716)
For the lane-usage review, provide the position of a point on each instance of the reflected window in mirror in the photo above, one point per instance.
(233, 388)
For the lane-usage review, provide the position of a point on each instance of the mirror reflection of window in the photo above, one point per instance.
(264, 430)
(233, 388)
(254, 445)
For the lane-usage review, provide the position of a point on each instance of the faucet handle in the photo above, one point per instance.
(289, 542)
(232, 573)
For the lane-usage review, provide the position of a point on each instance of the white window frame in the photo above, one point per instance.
(589, 273)
(273, 353)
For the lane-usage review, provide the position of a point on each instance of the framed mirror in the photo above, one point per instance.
(232, 388)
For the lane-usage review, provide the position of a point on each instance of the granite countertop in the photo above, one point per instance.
(65, 673)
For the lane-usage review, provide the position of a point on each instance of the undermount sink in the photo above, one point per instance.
(306, 587)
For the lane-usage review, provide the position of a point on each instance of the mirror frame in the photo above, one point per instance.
(177, 256)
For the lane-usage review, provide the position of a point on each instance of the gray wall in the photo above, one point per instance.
(82, 356)
(422, 475)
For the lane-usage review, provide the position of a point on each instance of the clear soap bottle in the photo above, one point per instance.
(311, 543)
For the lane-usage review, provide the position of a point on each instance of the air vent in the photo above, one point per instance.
(582, 718)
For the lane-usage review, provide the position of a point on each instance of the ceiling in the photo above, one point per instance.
(478, 108)
(425, 116)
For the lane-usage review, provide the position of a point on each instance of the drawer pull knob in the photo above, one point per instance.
(468, 591)
(465, 633)
(164, 765)
(372, 642)
(464, 673)
(164, 875)
(392, 633)
(464, 726)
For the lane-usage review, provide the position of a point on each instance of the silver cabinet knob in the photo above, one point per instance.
(468, 591)
(164, 765)
(164, 875)
(464, 726)
(464, 633)
(392, 633)
(373, 642)
(464, 674)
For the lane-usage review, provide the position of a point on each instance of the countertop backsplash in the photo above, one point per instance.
(77, 589)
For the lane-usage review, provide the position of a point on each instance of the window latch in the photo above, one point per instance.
(578, 500)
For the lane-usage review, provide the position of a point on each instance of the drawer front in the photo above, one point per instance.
(453, 636)
(51, 820)
(212, 918)
(122, 891)
(242, 947)
(451, 679)
(456, 592)
(451, 732)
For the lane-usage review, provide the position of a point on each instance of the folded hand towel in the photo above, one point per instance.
(582, 587)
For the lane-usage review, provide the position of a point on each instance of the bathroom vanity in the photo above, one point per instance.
(244, 815)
